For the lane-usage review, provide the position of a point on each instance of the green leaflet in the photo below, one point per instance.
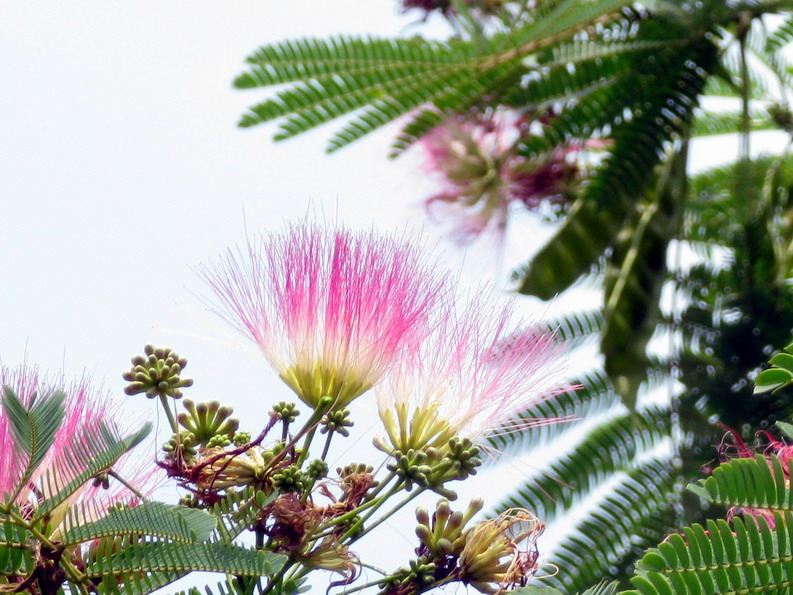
(751, 483)
(34, 427)
(238, 510)
(86, 459)
(13, 558)
(712, 124)
(778, 376)
(600, 589)
(536, 590)
(636, 513)
(749, 557)
(186, 557)
(595, 396)
(383, 79)
(609, 448)
(176, 523)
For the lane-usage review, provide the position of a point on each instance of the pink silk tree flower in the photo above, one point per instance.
(331, 309)
(470, 378)
(87, 412)
(476, 161)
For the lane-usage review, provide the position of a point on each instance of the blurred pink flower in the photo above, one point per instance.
(470, 378)
(331, 309)
(86, 413)
(446, 6)
(482, 174)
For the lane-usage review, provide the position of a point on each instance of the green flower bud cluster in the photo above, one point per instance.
(219, 441)
(289, 479)
(465, 457)
(241, 438)
(102, 480)
(157, 373)
(317, 469)
(443, 535)
(417, 578)
(189, 501)
(459, 461)
(286, 412)
(354, 469)
(182, 445)
(336, 421)
(208, 420)
(412, 467)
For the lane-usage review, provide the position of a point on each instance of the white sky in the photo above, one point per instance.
(121, 168)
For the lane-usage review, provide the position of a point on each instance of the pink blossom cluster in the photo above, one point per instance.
(331, 309)
(471, 376)
(482, 175)
(336, 313)
(86, 413)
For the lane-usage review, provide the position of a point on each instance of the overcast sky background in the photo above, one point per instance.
(121, 169)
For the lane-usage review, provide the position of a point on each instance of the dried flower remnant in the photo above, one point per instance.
(482, 173)
(331, 309)
(501, 553)
(471, 377)
(492, 556)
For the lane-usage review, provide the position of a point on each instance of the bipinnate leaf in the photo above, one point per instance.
(238, 511)
(186, 557)
(14, 558)
(603, 588)
(34, 426)
(750, 483)
(87, 460)
(536, 590)
(750, 556)
(175, 523)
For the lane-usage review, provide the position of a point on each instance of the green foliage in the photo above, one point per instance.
(184, 557)
(14, 560)
(609, 448)
(87, 457)
(594, 396)
(713, 559)
(34, 427)
(714, 124)
(636, 513)
(752, 483)
(238, 511)
(175, 523)
(383, 79)
(780, 375)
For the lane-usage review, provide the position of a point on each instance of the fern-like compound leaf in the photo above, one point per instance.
(559, 415)
(175, 523)
(158, 556)
(609, 448)
(757, 483)
(752, 556)
(85, 458)
(34, 428)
